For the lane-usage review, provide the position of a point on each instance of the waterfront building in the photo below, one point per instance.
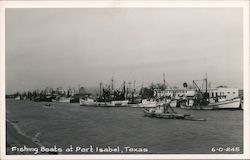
(82, 90)
(225, 92)
(228, 93)
(59, 91)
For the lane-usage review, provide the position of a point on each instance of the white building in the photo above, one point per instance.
(228, 93)
(174, 93)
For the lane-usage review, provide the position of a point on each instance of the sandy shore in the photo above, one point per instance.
(14, 138)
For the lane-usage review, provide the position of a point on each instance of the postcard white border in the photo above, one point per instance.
(127, 4)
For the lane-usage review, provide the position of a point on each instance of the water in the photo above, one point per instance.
(70, 124)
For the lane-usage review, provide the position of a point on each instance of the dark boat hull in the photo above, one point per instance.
(171, 116)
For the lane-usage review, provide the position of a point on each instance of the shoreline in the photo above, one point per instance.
(16, 138)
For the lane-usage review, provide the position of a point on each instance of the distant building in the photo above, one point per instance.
(71, 92)
(82, 90)
(228, 93)
(59, 90)
(174, 93)
(82, 93)
(48, 91)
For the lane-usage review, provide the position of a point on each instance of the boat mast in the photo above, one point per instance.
(134, 86)
(112, 83)
(206, 82)
(129, 87)
(133, 92)
(206, 76)
(100, 89)
(124, 89)
(164, 81)
(142, 92)
(164, 90)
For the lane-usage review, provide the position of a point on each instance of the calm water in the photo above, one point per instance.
(71, 124)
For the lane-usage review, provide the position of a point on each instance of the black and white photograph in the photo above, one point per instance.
(125, 81)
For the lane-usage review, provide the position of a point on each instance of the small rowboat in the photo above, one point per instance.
(156, 114)
(48, 106)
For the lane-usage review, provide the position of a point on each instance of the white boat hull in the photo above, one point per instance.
(227, 104)
(119, 103)
(173, 103)
(185, 106)
(160, 114)
(64, 100)
(18, 98)
(135, 105)
(150, 104)
(91, 102)
(88, 102)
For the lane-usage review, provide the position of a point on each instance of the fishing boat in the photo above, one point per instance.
(17, 98)
(173, 103)
(93, 102)
(195, 107)
(202, 101)
(165, 111)
(146, 103)
(159, 114)
(227, 104)
(149, 103)
(87, 102)
(113, 98)
(48, 106)
(64, 99)
(120, 103)
(108, 98)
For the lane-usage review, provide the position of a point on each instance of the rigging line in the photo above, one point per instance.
(126, 79)
(165, 82)
(129, 74)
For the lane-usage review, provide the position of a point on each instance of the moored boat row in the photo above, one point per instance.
(189, 97)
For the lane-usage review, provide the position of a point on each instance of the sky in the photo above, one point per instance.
(71, 47)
